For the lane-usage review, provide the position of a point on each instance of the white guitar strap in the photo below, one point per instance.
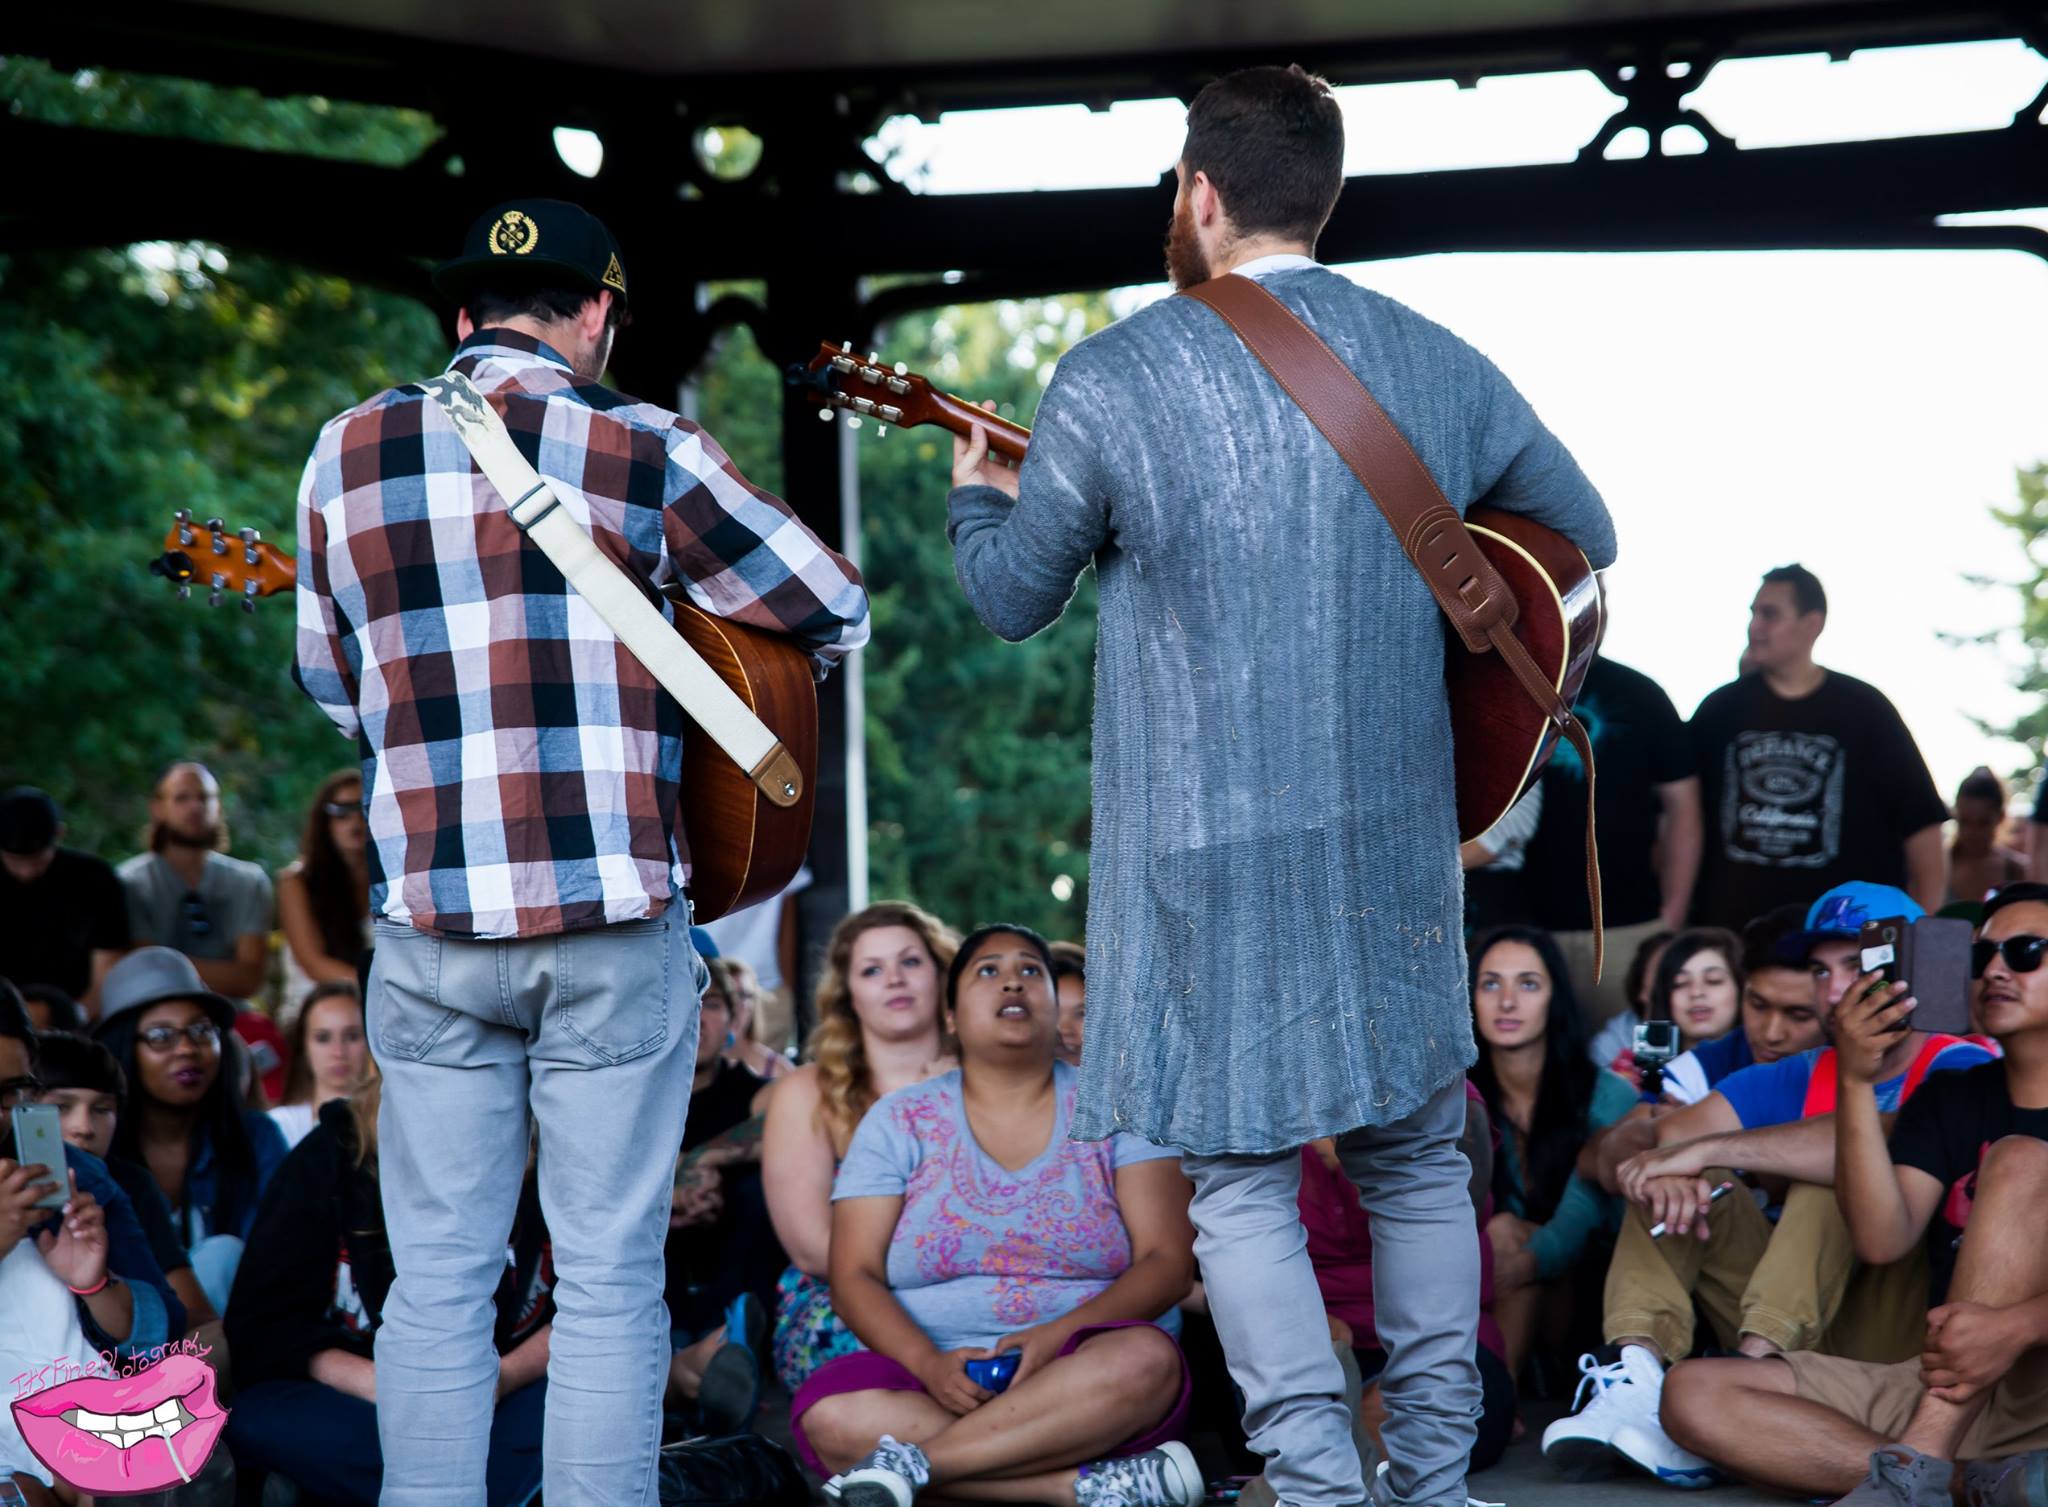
(649, 636)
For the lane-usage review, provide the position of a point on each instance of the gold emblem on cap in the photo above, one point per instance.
(614, 274)
(514, 234)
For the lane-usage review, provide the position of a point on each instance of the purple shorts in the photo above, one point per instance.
(868, 1372)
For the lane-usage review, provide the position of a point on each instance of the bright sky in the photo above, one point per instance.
(1858, 412)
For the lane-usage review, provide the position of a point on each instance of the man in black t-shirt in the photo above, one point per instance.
(63, 915)
(1966, 1169)
(1649, 830)
(1808, 776)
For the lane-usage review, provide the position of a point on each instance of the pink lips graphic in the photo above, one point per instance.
(74, 1429)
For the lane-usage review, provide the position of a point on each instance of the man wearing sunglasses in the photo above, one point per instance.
(1967, 1169)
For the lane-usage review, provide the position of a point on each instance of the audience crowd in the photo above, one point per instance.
(1748, 1206)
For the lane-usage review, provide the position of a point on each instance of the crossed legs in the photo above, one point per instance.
(1023, 1445)
(1747, 1416)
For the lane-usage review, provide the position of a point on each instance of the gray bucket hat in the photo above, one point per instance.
(151, 975)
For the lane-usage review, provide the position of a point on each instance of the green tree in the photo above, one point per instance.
(135, 381)
(977, 750)
(2028, 519)
(140, 380)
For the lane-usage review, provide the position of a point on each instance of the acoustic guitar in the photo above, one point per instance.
(1501, 738)
(743, 848)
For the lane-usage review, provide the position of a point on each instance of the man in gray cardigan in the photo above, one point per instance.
(1274, 942)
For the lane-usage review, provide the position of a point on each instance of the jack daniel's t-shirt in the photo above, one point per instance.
(1800, 796)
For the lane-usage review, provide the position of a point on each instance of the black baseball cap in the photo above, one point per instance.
(540, 240)
(29, 820)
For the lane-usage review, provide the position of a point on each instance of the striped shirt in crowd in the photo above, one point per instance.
(520, 766)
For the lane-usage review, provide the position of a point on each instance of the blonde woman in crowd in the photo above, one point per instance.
(878, 1030)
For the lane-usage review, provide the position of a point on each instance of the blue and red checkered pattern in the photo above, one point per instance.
(520, 767)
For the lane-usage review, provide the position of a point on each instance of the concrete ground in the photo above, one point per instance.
(1522, 1479)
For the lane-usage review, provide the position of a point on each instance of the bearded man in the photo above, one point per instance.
(1274, 940)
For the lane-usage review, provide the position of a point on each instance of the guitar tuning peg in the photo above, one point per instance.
(250, 536)
(249, 605)
(825, 414)
(185, 592)
(215, 524)
(853, 421)
(874, 358)
(213, 597)
(881, 430)
(902, 370)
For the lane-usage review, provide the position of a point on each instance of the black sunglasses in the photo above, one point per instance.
(2021, 954)
(342, 808)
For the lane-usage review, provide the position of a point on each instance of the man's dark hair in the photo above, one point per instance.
(1764, 935)
(2020, 892)
(70, 1061)
(1806, 588)
(14, 1022)
(495, 302)
(1272, 142)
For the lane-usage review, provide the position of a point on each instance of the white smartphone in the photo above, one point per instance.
(39, 1138)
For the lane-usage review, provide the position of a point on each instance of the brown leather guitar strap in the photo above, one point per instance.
(1471, 592)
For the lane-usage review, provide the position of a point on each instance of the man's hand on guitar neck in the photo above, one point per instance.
(973, 466)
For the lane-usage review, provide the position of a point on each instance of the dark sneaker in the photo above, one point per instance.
(732, 1380)
(2017, 1481)
(1162, 1477)
(1901, 1477)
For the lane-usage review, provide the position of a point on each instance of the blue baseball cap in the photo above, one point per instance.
(1842, 912)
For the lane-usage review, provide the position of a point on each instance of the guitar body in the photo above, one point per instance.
(743, 847)
(1501, 739)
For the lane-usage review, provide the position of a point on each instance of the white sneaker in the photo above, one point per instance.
(1645, 1445)
(1626, 1392)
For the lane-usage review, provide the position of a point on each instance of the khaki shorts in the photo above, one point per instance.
(1883, 1398)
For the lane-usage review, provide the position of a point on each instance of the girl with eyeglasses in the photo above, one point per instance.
(184, 1119)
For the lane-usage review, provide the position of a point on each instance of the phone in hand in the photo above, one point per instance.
(1931, 956)
(994, 1373)
(39, 1138)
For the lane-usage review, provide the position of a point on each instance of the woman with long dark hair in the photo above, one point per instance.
(184, 1118)
(323, 896)
(1547, 1099)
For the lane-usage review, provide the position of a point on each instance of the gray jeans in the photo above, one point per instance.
(595, 1032)
(1425, 1279)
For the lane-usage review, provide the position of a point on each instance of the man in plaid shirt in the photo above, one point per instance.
(520, 770)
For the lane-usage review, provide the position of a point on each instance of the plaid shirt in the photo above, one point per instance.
(520, 766)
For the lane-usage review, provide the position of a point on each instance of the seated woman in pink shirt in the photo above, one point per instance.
(967, 1227)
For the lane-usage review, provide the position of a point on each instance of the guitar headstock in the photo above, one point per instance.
(840, 381)
(238, 565)
(837, 379)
